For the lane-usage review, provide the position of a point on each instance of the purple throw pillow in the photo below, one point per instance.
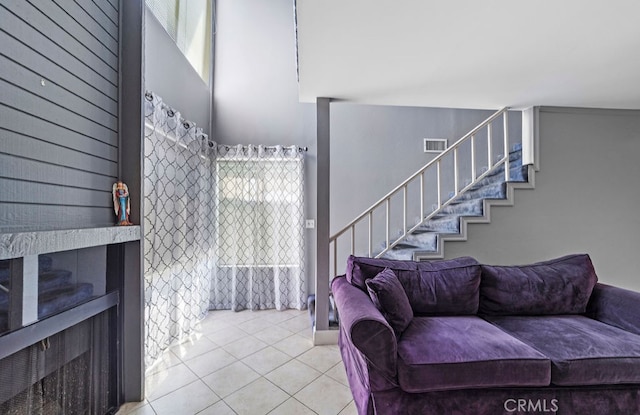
(437, 287)
(558, 286)
(360, 269)
(389, 297)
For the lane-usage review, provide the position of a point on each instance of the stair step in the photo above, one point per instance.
(47, 281)
(469, 204)
(54, 300)
(56, 290)
(516, 174)
(423, 240)
(44, 264)
(401, 254)
(60, 299)
(53, 279)
(473, 207)
(496, 190)
(442, 224)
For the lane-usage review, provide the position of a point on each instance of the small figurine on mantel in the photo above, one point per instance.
(121, 203)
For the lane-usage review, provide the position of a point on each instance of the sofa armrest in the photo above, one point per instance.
(368, 331)
(615, 306)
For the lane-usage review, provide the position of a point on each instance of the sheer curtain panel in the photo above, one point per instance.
(260, 229)
(178, 225)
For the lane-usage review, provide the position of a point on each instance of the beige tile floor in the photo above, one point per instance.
(248, 363)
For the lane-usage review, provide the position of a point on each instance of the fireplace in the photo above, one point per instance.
(70, 372)
(70, 321)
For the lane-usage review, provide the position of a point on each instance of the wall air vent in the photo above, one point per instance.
(435, 145)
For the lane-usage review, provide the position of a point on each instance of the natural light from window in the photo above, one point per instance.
(188, 22)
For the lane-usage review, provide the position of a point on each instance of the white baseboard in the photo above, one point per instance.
(325, 337)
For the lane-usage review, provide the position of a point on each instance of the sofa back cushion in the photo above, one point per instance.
(360, 269)
(448, 287)
(443, 287)
(558, 286)
(389, 297)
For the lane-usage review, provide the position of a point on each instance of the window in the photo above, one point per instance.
(188, 22)
(260, 212)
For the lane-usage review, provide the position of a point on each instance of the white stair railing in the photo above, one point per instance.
(438, 163)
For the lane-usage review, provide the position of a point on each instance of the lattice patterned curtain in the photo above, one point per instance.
(178, 225)
(260, 229)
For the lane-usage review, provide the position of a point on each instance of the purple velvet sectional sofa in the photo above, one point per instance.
(457, 337)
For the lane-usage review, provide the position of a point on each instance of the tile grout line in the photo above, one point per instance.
(244, 334)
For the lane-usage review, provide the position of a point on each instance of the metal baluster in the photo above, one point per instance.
(506, 147)
(388, 227)
(455, 171)
(473, 158)
(335, 258)
(404, 212)
(422, 197)
(438, 184)
(489, 146)
(353, 240)
(370, 234)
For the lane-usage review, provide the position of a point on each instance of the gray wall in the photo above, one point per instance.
(586, 199)
(58, 114)
(373, 148)
(576, 206)
(170, 75)
(256, 90)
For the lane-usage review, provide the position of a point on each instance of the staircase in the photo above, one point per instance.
(457, 187)
(56, 290)
(473, 206)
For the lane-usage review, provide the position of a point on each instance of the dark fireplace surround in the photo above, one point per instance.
(70, 372)
(62, 333)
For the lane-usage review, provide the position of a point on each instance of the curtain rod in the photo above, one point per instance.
(190, 124)
(229, 146)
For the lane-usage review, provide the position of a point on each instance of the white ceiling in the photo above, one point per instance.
(471, 53)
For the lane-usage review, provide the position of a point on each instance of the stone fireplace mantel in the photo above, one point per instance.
(20, 244)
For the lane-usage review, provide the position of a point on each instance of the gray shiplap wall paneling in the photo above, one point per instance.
(72, 31)
(22, 191)
(26, 124)
(108, 10)
(90, 24)
(24, 147)
(59, 126)
(52, 25)
(26, 57)
(60, 47)
(98, 15)
(35, 171)
(114, 3)
(30, 81)
(55, 113)
(21, 217)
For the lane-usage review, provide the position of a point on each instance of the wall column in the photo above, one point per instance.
(320, 330)
(131, 156)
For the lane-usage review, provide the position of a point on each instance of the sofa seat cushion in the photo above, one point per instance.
(583, 351)
(458, 352)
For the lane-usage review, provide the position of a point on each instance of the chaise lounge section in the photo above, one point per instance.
(458, 337)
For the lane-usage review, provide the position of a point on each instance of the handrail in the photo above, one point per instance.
(419, 172)
(441, 201)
